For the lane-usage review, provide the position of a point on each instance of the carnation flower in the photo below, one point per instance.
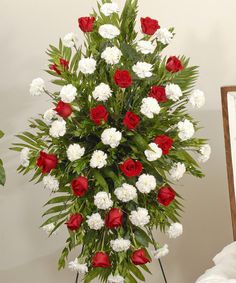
(82, 269)
(87, 66)
(150, 107)
(98, 159)
(50, 183)
(173, 92)
(186, 130)
(69, 40)
(49, 228)
(175, 230)
(143, 69)
(139, 217)
(116, 279)
(49, 115)
(111, 55)
(68, 93)
(197, 98)
(126, 193)
(146, 183)
(205, 153)
(102, 92)
(177, 171)
(24, 157)
(109, 8)
(108, 31)
(161, 252)
(164, 36)
(75, 152)
(111, 137)
(154, 152)
(95, 221)
(145, 47)
(37, 87)
(102, 200)
(58, 129)
(120, 245)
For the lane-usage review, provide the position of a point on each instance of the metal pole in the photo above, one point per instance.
(163, 272)
(77, 277)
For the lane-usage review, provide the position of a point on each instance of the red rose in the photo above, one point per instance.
(159, 93)
(131, 168)
(86, 23)
(75, 221)
(99, 114)
(47, 162)
(80, 186)
(64, 63)
(166, 195)
(165, 143)
(63, 109)
(149, 26)
(174, 65)
(139, 257)
(54, 67)
(123, 78)
(131, 120)
(114, 218)
(101, 259)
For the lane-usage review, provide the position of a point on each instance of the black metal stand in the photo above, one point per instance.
(163, 272)
(77, 277)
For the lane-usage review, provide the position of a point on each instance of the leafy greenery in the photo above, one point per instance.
(2, 170)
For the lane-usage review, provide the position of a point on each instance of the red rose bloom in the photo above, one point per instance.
(114, 218)
(47, 162)
(174, 65)
(80, 186)
(149, 26)
(131, 120)
(123, 78)
(159, 93)
(131, 168)
(166, 195)
(86, 23)
(54, 67)
(101, 259)
(99, 114)
(165, 143)
(139, 257)
(63, 109)
(64, 63)
(75, 221)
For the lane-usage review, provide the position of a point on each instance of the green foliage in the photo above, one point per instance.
(2, 170)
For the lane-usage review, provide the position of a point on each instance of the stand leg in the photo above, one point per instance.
(77, 277)
(162, 270)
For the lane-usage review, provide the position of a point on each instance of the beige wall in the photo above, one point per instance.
(204, 32)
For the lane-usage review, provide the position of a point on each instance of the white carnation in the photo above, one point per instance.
(111, 137)
(49, 228)
(82, 269)
(75, 152)
(50, 183)
(108, 31)
(111, 55)
(68, 93)
(116, 279)
(87, 66)
(37, 87)
(143, 69)
(161, 252)
(177, 171)
(150, 107)
(205, 153)
(153, 153)
(145, 47)
(175, 230)
(146, 183)
(69, 40)
(49, 115)
(103, 200)
(102, 92)
(120, 245)
(139, 217)
(109, 8)
(186, 130)
(173, 92)
(58, 129)
(126, 193)
(95, 221)
(98, 159)
(197, 98)
(24, 157)
(164, 36)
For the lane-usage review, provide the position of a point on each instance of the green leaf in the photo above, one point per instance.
(56, 209)
(61, 199)
(2, 174)
(142, 237)
(100, 179)
(136, 272)
(1, 134)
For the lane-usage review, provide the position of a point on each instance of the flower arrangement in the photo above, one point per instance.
(2, 170)
(116, 138)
